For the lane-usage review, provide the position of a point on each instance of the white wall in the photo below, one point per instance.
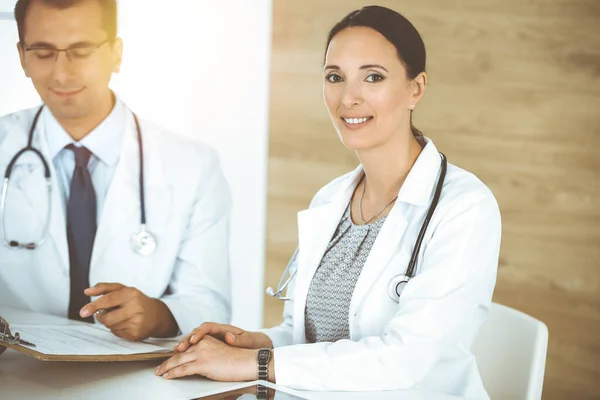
(16, 92)
(200, 68)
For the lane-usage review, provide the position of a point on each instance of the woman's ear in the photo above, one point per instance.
(418, 84)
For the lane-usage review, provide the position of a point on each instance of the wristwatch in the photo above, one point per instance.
(264, 356)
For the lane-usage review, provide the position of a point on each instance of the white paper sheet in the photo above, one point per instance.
(79, 341)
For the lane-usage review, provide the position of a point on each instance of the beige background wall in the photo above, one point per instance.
(514, 97)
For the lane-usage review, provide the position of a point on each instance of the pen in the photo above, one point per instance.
(104, 311)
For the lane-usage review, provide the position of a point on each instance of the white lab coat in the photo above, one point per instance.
(187, 208)
(424, 340)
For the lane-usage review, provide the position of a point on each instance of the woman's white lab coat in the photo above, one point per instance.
(425, 339)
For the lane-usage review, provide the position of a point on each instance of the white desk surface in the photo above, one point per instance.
(23, 377)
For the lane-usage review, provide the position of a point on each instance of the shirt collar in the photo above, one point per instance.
(102, 141)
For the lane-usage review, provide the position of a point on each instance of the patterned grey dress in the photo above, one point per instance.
(330, 291)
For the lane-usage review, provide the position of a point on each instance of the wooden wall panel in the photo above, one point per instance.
(514, 97)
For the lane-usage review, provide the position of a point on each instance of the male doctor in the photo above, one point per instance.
(87, 265)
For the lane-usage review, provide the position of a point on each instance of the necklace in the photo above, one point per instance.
(360, 207)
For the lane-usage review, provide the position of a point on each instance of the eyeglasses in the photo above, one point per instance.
(77, 53)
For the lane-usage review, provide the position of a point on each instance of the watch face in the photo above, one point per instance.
(264, 355)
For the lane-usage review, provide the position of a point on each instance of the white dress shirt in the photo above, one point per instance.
(104, 142)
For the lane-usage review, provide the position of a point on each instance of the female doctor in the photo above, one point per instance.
(350, 325)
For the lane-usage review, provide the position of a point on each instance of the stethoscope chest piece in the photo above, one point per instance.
(143, 242)
(396, 286)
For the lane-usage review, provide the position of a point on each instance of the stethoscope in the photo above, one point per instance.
(142, 242)
(397, 283)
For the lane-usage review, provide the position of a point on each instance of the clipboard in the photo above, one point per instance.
(10, 341)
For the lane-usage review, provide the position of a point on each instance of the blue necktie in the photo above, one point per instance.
(81, 230)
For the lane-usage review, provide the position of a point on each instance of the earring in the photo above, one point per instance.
(412, 106)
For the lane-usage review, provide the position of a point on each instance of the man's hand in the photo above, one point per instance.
(131, 314)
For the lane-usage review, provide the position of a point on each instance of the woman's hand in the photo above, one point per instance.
(229, 334)
(213, 359)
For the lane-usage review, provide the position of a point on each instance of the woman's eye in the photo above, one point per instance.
(374, 78)
(333, 78)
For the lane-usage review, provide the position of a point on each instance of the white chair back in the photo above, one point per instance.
(510, 350)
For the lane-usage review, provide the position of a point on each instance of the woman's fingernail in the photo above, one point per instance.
(156, 370)
(192, 338)
(177, 346)
(166, 376)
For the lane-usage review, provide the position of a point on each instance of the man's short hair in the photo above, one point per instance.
(109, 14)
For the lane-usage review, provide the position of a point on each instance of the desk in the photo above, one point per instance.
(23, 377)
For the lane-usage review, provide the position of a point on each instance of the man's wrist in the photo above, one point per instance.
(165, 326)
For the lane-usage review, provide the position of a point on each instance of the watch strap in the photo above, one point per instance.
(264, 356)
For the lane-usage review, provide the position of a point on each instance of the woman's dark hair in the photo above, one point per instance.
(399, 32)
